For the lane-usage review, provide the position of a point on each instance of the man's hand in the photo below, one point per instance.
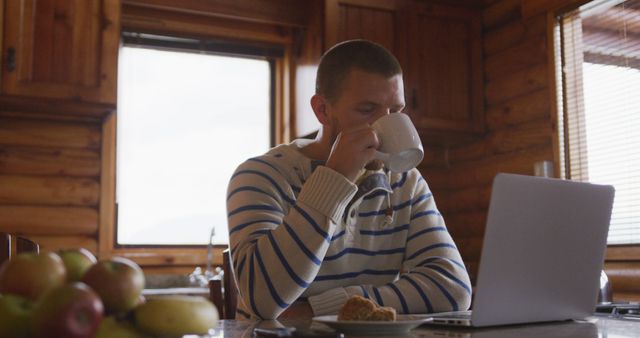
(298, 310)
(352, 150)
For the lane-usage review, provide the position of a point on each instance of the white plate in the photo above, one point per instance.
(402, 325)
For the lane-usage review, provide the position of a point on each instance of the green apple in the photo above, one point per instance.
(118, 281)
(112, 328)
(31, 275)
(70, 311)
(176, 316)
(15, 315)
(77, 262)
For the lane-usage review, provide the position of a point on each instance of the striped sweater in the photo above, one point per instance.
(299, 229)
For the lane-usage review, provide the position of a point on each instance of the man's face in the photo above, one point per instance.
(364, 98)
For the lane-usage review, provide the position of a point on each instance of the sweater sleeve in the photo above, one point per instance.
(277, 241)
(433, 277)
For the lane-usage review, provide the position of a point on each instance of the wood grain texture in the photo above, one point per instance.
(522, 136)
(51, 134)
(466, 224)
(511, 34)
(64, 49)
(479, 173)
(452, 201)
(56, 243)
(522, 56)
(43, 190)
(54, 221)
(521, 109)
(501, 13)
(49, 161)
(175, 22)
(283, 12)
(516, 84)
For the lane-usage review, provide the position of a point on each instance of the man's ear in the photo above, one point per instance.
(319, 106)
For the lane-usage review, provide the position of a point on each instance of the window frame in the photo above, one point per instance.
(614, 252)
(182, 258)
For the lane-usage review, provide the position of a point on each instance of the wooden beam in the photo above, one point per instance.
(172, 22)
(281, 12)
(522, 56)
(55, 109)
(480, 173)
(516, 84)
(43, 190)
(523, 136)
(466, 199)
(512, 34)
(501, 13)
(31, 220)
(532, 8)
(107, 211)
(55, 243)
(49, 161)
(521, 109)
(40, 133)
(466, 223)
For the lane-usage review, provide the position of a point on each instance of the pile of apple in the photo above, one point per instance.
(70, 295)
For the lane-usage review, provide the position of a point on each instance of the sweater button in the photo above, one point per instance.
(353, 213)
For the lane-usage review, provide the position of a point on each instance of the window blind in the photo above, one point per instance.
(598, 48)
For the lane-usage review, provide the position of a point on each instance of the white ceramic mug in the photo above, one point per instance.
(400, 145)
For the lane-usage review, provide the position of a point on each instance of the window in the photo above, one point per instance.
(189, 113)
(599, 54)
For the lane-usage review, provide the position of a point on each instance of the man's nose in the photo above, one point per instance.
(382, 113)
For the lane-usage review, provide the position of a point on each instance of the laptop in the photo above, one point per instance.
(542, 255)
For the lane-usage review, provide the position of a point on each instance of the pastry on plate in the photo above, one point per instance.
(360, 308)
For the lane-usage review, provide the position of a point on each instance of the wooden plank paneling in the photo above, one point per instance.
(40, 133)
(522, 136)
(49, 161)
(501, 13)
(469, 247)
(466, 199)
(55, 243)
(43, 190)
(282, 12)
(537, 7)
(515, 84)
(525, 108)
(481, 172)
(512, 33)
(151, 20)
(467, 224)
(525, 55)
(33, 220)
(624, 276)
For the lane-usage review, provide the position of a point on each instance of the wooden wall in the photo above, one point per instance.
(50, 180)
(520, 127)
(52, 169)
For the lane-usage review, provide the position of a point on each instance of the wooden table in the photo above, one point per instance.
(593, 327)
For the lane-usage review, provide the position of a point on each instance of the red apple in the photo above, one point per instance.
(31, 275)
(118, 281)
(70, 311)
(77, 262)
(15, 316)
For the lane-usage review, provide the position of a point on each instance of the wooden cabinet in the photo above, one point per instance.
(439, 47)
(62, 49)
(376, 20)
(444, 68)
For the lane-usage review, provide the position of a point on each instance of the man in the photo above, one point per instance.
(315, 221)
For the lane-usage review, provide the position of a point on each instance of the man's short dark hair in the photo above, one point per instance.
(338, 61)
